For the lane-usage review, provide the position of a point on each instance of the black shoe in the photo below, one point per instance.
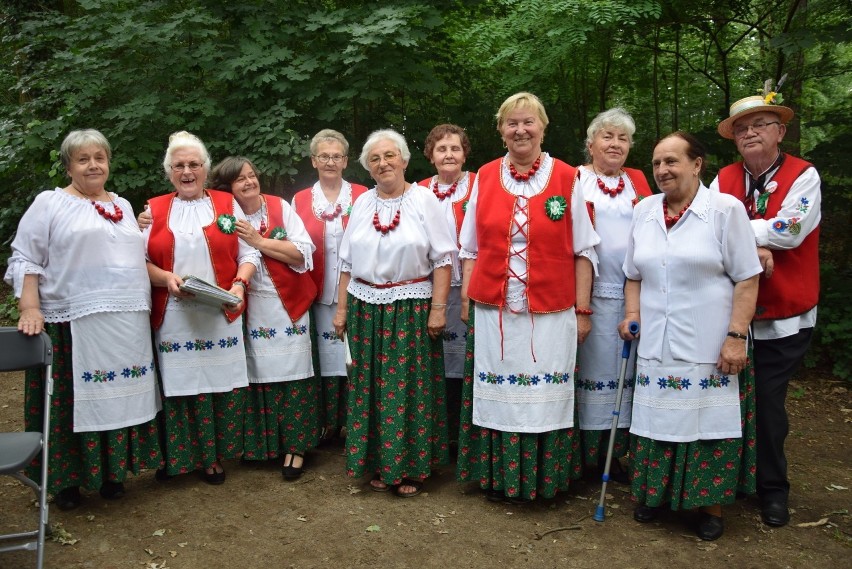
(162, 475)
(617, 472)
(112, 490)
(68, 498)
(710, 527)
(645, 514)
(775, 513)
(290, 472)
(495, 495)
(214, 478)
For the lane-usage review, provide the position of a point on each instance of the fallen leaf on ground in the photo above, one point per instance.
(302, 519)
(353, 490)
(159, 533)
(821, 522)
(373, 528)
(149, 551)
(838, 487)
(61, 536)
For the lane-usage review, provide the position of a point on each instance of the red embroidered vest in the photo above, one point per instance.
(459, 202)
(550, 254)
(640, 185)
(303, 205)
(296, 290)
(223, 249)
(793, 288)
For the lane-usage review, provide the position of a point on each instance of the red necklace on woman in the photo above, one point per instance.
(113, 217)
(526, 176)
(672, 219)
(384, 229)
(444, 195)
(611, 192)
(338, 209)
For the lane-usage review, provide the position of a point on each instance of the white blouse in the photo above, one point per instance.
(448, 203)
(612, 223)
(420, 243)
(333, 236)
(688, 273)
(86, 263)
(296, 234)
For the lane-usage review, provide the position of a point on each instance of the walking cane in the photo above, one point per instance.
(625, 356)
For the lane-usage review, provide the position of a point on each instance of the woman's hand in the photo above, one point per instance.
(624, 326)
(173, 283)
(31, 321)
(249, 234)
(437, 322)
(733, 357)
(584, 327)
(465, 309)
(339, 321)
(240, 291)
(144, 219)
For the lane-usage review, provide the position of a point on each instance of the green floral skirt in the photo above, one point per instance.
(698, 473)
(281, 418)
(203, 429)
(397, 415)
(522, 465)
(83, 459)
(595, 443)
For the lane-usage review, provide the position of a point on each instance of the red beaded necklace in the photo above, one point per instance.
(113, 217)
(384, 229)
(611, 192)
(524, 177)
(333, 215)
(444, 195)
(672, 219)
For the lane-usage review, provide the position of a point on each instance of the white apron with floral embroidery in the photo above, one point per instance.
(116, 388)
(529, 388)
(332, 359)
(677, 401)
(277, 349)
(199, 350)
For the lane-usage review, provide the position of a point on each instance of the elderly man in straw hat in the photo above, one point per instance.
(782, 196)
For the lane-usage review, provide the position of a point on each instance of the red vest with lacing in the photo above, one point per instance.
(793, 288)
(222, 247)
(297, 291)
(303, 204)
(458, 206)
(550, 244)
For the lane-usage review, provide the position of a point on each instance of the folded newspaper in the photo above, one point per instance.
(208, 293)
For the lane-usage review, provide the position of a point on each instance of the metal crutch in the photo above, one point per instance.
(625, 357)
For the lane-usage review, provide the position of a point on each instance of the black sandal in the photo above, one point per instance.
(214, 478)
(112, 490)
(416, 484)
(290, 472)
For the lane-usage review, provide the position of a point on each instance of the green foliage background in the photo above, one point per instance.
(260, 77)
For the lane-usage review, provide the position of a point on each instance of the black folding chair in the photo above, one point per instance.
(17, 450)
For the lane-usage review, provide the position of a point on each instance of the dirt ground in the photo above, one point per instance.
(256, 520)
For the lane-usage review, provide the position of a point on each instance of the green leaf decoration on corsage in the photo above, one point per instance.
(636, 200)
(555, 207)
(348, 210)
(278, 233)
(464, 206)
(761, 202)
(227, 223)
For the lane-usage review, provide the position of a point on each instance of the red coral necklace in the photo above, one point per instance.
(444, 195)
(672, 219)
(526, 176)
(611, 192)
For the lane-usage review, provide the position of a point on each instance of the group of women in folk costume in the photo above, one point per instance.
(468, 297)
